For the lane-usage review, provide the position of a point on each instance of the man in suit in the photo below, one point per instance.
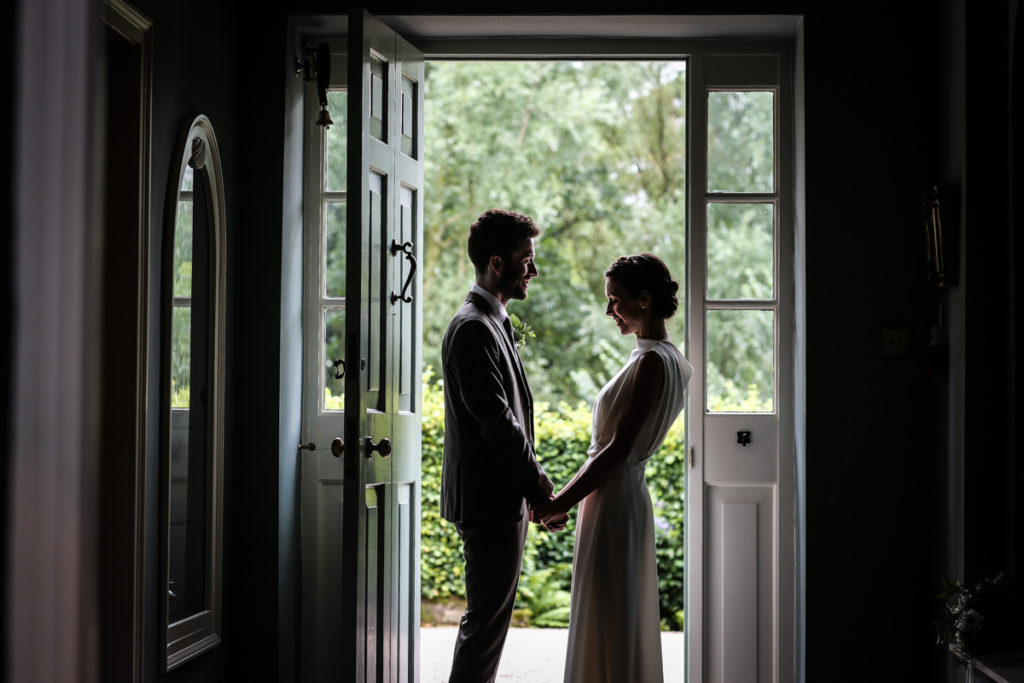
(490, 478)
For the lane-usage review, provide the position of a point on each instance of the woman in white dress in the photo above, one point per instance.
(614, 624)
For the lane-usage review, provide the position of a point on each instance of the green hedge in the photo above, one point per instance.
(562, 435)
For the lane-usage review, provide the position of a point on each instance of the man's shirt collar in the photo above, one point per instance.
(492, 300)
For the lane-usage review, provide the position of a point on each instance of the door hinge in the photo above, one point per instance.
(691, 457)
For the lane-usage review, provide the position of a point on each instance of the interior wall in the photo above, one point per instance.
(947, 526)
(990, 427)
(993, 468)
(7, 39)
(870, 144)
(194, 61)
(1017, 230)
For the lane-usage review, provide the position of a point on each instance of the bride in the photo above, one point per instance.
(614, 624)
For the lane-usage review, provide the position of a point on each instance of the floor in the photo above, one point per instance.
(534, 655)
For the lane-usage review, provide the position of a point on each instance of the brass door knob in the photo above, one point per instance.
(337, 447)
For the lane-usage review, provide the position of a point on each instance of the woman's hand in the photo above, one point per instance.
(550, 514)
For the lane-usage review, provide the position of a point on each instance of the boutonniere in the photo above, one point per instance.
(521, 331)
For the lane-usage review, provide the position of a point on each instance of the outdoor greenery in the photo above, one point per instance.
(595, 152)
(563, 434)
(602, 172)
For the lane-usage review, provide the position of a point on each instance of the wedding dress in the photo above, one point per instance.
(614, 624)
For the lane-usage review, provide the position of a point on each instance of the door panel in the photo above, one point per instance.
(756, 462)
(740, 558)
(361, 502)
(739, 602)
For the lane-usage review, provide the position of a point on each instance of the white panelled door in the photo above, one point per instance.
(740, 495)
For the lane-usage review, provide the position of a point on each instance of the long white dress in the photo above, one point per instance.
(614, 625)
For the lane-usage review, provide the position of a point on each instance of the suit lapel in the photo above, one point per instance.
(499, 330)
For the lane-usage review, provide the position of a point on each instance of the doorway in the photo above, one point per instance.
(603, 173)
(757, 511)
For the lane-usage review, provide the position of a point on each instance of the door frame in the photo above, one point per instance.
(128, 91)
(667, 36)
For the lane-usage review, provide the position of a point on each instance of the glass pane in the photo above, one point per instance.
(408, 116)
(181, 345)
(183, 248)
(334, 351)
(741, 141)
(335, 136)
(740, 361)
(334, 249)
(741, 251)
(186, 578)
(187, 179)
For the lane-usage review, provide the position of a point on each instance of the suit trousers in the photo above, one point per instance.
(493, 555)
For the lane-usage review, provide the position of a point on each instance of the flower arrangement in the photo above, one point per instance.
(975, 617)
(521, 331)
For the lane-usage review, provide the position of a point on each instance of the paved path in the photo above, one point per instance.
(532, 655)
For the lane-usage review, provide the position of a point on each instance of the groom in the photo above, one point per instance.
(490, 475)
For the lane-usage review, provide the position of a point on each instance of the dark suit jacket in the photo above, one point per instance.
(490, 469)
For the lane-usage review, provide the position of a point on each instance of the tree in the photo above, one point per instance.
(602, 172)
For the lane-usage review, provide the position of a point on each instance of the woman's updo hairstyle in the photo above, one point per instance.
(638, 272)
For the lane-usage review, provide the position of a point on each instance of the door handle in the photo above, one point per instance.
(405, 248)
(337, 447)
(383, 447)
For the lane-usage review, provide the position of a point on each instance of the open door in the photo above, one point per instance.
(741, 489)
(361, 413)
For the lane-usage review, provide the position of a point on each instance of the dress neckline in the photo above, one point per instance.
(645, 344)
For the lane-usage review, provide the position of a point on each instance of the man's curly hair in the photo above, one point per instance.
(498, 231)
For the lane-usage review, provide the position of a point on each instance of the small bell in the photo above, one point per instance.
(324, 119)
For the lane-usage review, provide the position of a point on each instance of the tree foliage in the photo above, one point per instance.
(595, 152)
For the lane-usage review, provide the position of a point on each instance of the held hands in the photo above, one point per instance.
(549, 515)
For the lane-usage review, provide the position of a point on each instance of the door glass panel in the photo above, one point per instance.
(741, 141)
(334, 249)
(740, 247)
(334, 359)
(181, 315)
(378, 98)
(409, 116)
(336, 158)
(740, 361)
(183, 250)
(378, 226)
(181, 342)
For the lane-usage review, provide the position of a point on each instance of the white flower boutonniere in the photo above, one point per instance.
(521, 331)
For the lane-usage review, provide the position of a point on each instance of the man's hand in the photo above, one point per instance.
(549, 516)
(556, 522)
